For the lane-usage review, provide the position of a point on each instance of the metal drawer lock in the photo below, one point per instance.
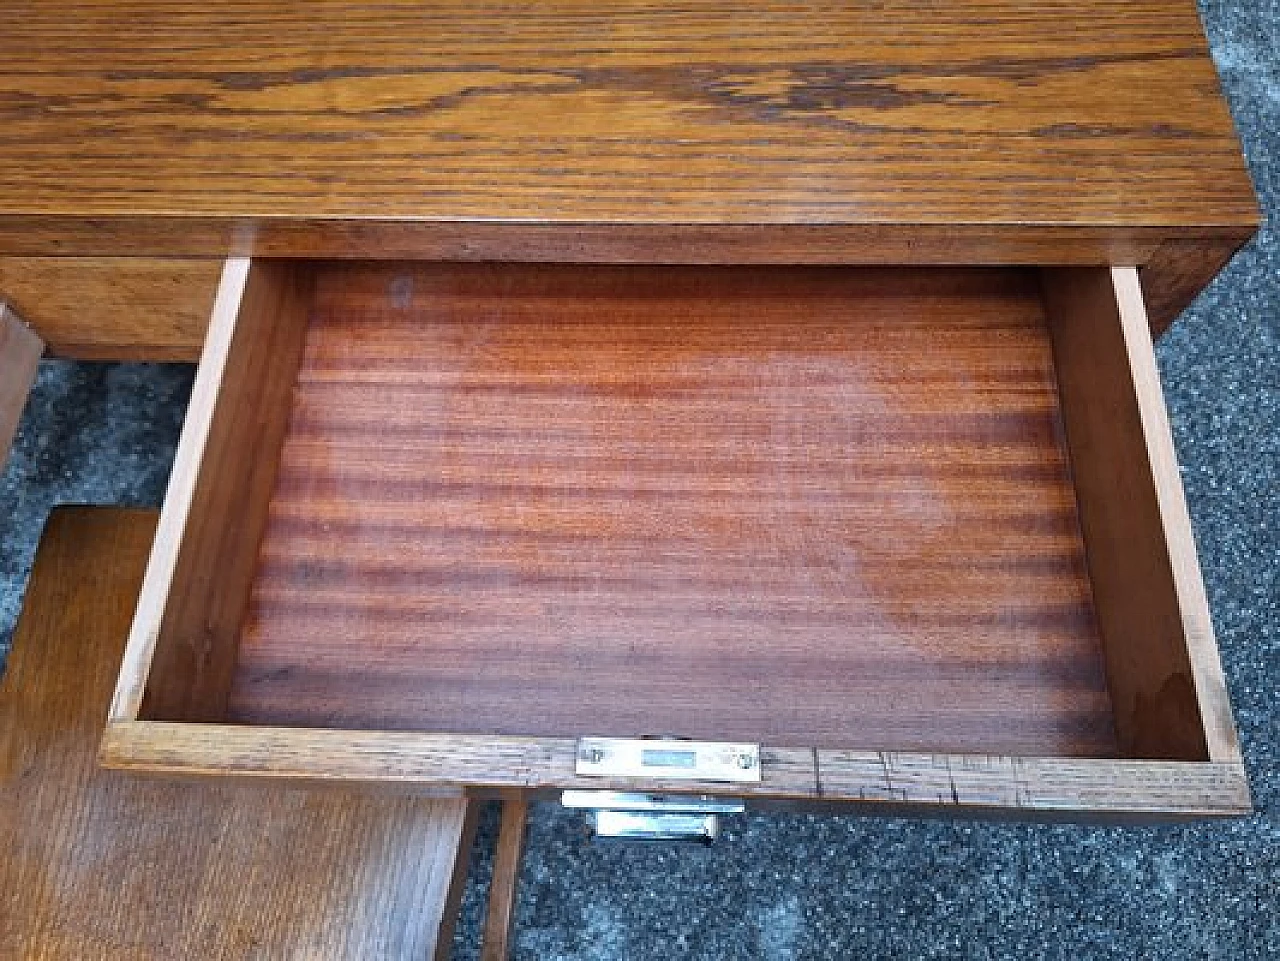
(651, 817)
(669, 759)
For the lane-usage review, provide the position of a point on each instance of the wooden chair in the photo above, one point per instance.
(102, 865)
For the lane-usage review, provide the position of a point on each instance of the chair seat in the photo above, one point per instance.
(104, 865)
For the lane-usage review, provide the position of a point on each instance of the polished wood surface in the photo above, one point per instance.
(114, 308)
(549, 242)
(1212, 697)
(20, 349)
(1166, 682)
(800, 506)
(98, 865)
(223, 474)
(495, 363)
(1148, 669)
(316, 127)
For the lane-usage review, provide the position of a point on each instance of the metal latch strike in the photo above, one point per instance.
(668, 759)
(652, 817)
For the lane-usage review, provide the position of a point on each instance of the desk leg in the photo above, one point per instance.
(506, 879)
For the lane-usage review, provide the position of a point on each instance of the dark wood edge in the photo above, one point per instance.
(20, 350)
(594, 242)
(1178, 270)
(499, 921)
(127, 353)
(1168, 690)
(144, 632)
(198, 575)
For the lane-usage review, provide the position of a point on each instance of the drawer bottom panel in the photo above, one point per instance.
(806, 506)
(913, 536)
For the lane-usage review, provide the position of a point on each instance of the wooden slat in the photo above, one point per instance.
(1162, 666)
(503, 888)
(954, 785)
(1012, 786)
(195, 655)
(295, 120)
(1193, 604)
(457, 885)
(802, 506)
(114, 308)
(198, 579)
(391, 758)
(20, 349)
(98, 866)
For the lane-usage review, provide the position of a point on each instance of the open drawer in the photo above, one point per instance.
(916, 533)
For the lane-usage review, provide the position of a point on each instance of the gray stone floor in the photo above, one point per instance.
(782, 887)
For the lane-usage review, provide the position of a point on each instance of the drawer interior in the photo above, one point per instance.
(823, 507)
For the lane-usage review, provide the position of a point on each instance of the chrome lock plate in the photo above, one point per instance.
(659, 803)
(648, 826)
(668, 759)
(652, 817)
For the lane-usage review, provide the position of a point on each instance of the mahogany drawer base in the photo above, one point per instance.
(432, 522)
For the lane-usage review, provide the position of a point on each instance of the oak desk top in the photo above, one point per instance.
(898, 131)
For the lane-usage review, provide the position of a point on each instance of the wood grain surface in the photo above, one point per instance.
(1166, 681)
(99, 865)
(219, 488)
(291, 124)
(873, 782)
(1176, 273)
(114, 308)
(1136, 598)
(800, 506)
(1208, 679)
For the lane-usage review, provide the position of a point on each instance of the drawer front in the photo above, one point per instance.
(917, 534)
(114, 308)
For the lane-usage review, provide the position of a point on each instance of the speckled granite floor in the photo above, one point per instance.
(781, 887)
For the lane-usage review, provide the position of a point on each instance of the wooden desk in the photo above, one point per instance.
(1062, 132)
(872, 466)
